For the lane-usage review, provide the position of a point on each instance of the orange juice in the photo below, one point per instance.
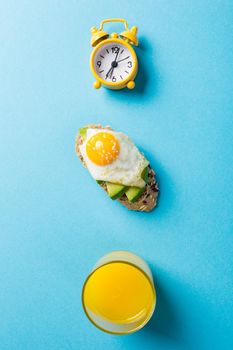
(119, 292)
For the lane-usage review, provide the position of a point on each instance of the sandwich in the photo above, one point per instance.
(118, 166)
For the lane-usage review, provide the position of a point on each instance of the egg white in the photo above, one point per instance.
(126, 169)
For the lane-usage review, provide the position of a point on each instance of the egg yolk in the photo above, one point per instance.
(102, 148)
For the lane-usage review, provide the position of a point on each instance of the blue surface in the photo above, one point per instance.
(55, 222)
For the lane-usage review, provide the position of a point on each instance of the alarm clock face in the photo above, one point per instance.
(113, 63)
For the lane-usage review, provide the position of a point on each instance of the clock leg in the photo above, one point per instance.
(97, 84)
(131, 85)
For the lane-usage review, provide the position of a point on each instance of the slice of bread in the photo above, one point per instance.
(148, 199)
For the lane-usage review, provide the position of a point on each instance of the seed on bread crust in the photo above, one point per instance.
(148, 199)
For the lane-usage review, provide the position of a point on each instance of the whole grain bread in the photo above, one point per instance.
(148, 199)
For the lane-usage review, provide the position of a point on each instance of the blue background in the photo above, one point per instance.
(55, 222)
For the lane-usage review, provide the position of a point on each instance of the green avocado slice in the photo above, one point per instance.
(83, 132)
(133, 193)
(145, 174)
(100, 182)
(115, 191)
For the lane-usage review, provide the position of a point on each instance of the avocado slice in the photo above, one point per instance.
(83, 132)
(145, 174)
(115, 191)
(100, 182)
(133, 193)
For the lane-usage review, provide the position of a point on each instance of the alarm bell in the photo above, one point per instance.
(97, 36)
(130, 36)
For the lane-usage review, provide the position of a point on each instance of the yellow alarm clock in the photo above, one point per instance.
(113, 61)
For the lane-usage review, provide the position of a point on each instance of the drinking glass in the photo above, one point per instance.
(119, 294)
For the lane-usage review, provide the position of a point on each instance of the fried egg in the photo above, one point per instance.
(111, 156)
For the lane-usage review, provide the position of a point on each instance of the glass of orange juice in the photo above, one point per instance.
(119, 295)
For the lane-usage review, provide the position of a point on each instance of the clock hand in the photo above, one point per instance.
(113, 65)
(123, 59)
(117, 54)
(109, 72)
